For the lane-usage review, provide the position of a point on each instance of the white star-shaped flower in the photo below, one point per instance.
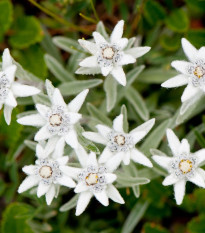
(9, 88)
(57, 121)
(192, 72)
(94, 179)
(47, 173)
(183, 166)
(119, 143)
(108, 57)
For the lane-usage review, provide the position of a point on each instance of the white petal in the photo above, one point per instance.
(117, 32)
(74, 117)
(106, 70)
(106, 155)
(76, 104)
(201, 172)
(40, 152)
(181, 66)
(42, 134)
(81, 187)
(28, 183)
(189, 50)
(201, 53)
(118, 124)
(103, 130)
(52, 144)
(102, 197)
(176, 81)
(89, 62)
(184, 147)
(99, 39)
(200, 155)
(126, 59)
(113, 163)
(82, 155)
(110, 178)
(6, 59)
(66, 181)
(95, 137)
(10, 73)
(127, 157)
(122, 43)
(10, 100)
(139, 157)
(138, 51)
(50, 194)
(83, 201)
(197, 179)
(33, 120)
(119, 75)
(42, 109)
(89, 46)
(114, 194)
(147, 126)
(57, 98)
(29, 170)
(169, 180)
(59, 148)
(42, 189)
(7, 114)
(179, 190)
(163, 161)
(189, 92)
(71, 139)
(173, 141)
(137, 136)
(21, 90)
(92, 159)
(71, 171)
(62, 160)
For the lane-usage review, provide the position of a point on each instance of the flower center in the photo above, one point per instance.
(92, 179)
(55, 120)
(45, 172)
(185, 166)
(108, 53)
(198, 72)
(120, 140)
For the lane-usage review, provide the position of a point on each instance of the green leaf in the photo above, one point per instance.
(197, 224)
(6, 10)
(57, 69)
(153, 228)
(41, 99)
(15, 218)
(196, 37)
(125, 122)
(75, 87)
(170, 43)
(26, 31)
(178, 21)
(136, 100)
(110, 87)
(134, 217)
(67, 44)
(70, 204)
(101, 29)
(31, 144)
(196, 5)
(98, 115)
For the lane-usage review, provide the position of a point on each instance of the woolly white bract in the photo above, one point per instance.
(108, 56)
(119, 143)
(47, 173)
(9, 88)
(94, 179)
(192, 72)
(183, 166)
(58, 120)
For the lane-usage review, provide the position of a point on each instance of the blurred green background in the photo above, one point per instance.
(27, 28)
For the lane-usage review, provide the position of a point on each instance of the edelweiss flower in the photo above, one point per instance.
(192, 73)
(183, 166)
(119, 143)
(47, 173)
(10, 89)
(57, 120)
(94, 179)
(108, 57)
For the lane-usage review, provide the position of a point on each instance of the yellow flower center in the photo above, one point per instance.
(92, 179)
(45, 172)
(198, 72)
(120, 140)
(108, 53)
(55, 120)
(185, 166)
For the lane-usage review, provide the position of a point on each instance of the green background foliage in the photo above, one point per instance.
(43, 37)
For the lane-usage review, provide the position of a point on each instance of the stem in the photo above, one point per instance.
(56, 17)
(94, 11)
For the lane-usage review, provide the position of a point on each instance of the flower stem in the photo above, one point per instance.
(94, 11)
